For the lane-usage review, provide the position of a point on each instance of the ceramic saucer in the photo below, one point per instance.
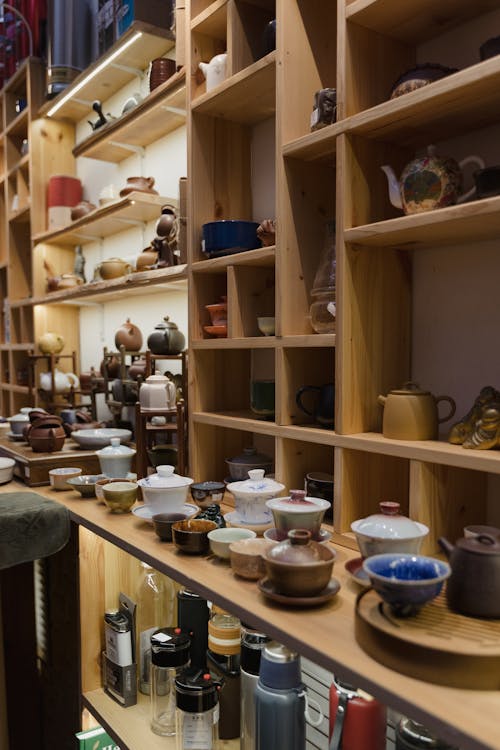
(217, 331)
(13, 436)
(355, 569)
(145, 513)
(234, 519)
(267, 588)
(272, 535)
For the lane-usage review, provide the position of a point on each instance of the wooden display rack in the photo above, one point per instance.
(145, 430)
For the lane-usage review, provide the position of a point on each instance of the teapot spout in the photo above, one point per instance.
(446, 546)
(394, 192)
(204, 68)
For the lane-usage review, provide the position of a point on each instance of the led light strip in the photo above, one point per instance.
(74, 90)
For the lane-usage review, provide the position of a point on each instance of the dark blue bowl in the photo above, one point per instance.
(405, 581)
(229, 236)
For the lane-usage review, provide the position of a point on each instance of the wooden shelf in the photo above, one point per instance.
(456, 104)
(108, 220)
(267, 342)
(133, 284)
(475, 221)
(414, 20)
(241, 420)
(435, 706)
(263, 256)
(22, 164)
(19, 125)
(21, 216)
(318, 146)
(101, 81)
(431, 451)
(130, 726)
(246, 97)
(162, 111)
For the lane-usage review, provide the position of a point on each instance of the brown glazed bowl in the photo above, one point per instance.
(299, 566)
(191, 535)
(162, 524)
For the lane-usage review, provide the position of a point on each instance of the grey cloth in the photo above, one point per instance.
(31, 527)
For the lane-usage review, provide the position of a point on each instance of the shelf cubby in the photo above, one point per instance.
(299, 367)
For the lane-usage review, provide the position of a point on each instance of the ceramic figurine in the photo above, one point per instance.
(324, 109)
(463, 430)
(429, 182)
(79, 265)
(212, 513)
(487, 431)
(266, 232)
(101, 118)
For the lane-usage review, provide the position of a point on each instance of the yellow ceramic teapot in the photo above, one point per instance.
(412, 414)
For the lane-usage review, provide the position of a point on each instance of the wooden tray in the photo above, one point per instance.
(436, 645)
(33, 468)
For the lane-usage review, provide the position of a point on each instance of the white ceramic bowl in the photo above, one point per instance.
(6, 469)
(99, 437)
(165, 491)
(58, 478)
(251, 496)
(220, 539)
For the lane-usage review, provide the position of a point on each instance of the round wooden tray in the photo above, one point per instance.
(436, 645)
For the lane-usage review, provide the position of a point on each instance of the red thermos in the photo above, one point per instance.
(357, 721)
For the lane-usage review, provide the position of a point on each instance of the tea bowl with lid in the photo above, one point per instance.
(388, 531)
(298, 566)
(250, 458)
(116, 459)
(297, 511)
(165, 491)
(251, 496)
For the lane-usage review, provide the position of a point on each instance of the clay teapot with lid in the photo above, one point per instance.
(166, 338)
(411, 413)
(429, 182)
(129, 336)
(46, 434)
(50, 343)
(474, 585)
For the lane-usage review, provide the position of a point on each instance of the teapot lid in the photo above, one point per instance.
(410, 389)
(157, 378)
(165, 478)
(19, 418)
(165, 323)
(256, 483)
(483, 544)
(251, 456)
(297, 549)
(115, 449)
(389, 524)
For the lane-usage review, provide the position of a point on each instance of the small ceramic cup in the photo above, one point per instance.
(120, 496)
(58, 478)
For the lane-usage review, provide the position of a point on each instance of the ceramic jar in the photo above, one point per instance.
(251, 496)
(166, 338)
(115, 459)
(474, 585)
(388, 531)
(112, 268)
(215, 70)
(161, 70)
(165, 491)
(411, 413)
(50, 343)
(157, 392)
(129, 336)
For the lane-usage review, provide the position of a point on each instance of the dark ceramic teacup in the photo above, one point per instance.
(323, 403)
(162, 524)
(487, 181)
(320, 484)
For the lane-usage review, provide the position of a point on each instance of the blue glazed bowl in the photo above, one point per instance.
(229, 236)
(405, 581)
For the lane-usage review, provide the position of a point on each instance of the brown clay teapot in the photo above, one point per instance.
(143, 184)
(46, 434)
(474, 585)
(411, 413)
(137, 368)
(166, 338)
(129, 336)
(147, 259)
(110, 366)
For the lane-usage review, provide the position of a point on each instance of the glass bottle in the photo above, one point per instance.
(223, 660)
(155, 609)
(323, 292)
(169, 656)
(197, 717)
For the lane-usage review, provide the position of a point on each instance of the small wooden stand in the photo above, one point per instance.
(144, 431)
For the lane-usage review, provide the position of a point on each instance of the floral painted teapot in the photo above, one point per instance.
(429, 182)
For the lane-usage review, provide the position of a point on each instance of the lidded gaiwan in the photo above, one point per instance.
(298, 512)
(251, 496)
(298, 566)
(115, 459)
(388, 531)
(165, 491)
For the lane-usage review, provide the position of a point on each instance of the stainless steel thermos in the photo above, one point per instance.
(252, 644)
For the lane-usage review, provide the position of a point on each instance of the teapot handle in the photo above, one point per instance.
(452, 404)
(73, 379)
(480, 165)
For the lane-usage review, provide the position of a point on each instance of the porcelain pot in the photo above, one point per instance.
(112, 268)
(158, 392)
(166, 338)
(64, 381)
(412, 414)
(251, 495)
(165, 491)
(429, 182)
(474, 585)
(215, 70)
(388, 531)
(50, 343)
(115, 459)
(129, 336)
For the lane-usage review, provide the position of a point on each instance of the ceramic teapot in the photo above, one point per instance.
(64, 381)
(51, 343)
(215, 70)
(474, 585)
(147, 259)
(129, 336)
(111, 268)
(412, 414)
(429, 182)
(158, 392)
(166, 338)
(46, 434)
